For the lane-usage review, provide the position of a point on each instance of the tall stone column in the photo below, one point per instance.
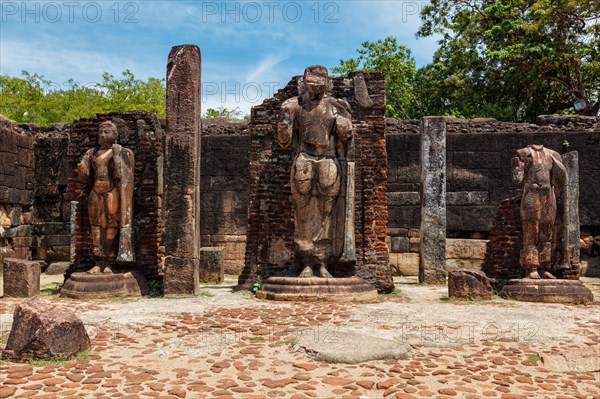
(182, 172)
(432, 262)
(571, 218)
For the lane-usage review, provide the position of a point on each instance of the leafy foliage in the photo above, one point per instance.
(33, 99)
(513, 58)
(223, 112)
(397, 63)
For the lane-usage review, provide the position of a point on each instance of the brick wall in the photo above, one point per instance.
(270, 218)
(142, 133)
(224, 189)
(17, 162)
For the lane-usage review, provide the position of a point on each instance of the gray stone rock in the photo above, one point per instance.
(334, 345)
(57, 268)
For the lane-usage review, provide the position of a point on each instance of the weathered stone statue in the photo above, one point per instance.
(110, 169)
(544, 178)
(321, 177)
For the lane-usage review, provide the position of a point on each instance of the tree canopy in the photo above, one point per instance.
(509, 59)
(33, 99)
(396, 61)
(523, 56)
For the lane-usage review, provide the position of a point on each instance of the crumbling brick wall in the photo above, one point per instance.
(141, 132)
(50, 209)
(224, 189)
(270, 219)
(16, 190)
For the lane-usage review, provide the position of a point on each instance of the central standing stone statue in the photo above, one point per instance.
(111, 170)
(321, 178)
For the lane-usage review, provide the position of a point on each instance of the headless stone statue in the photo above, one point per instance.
(109, 168)
(323, 126)
(543, 176)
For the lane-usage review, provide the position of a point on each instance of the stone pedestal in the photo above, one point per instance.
(547, 290)
(100, 285)
(211, 265)
(349, 289)
(21, 278)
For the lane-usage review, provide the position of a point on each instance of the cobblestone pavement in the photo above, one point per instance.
(230, 345)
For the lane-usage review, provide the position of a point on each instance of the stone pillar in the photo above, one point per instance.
(211, 265)
(21, 278)
(571, 218)
(432, 262)
(182, 171)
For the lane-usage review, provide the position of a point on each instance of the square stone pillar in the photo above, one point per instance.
(182, 172)
(211, 265)
(432, 262)
(571, 218)
(21, 278)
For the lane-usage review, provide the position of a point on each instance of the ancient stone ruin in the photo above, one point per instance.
(200, 199)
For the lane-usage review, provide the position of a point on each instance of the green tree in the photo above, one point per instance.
(33, 99)
(514, 58)
(223, 112)
(397, 63)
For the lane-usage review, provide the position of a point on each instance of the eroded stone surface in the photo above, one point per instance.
(342, 346)
(21, 278)
(43, 330)
(469, 284)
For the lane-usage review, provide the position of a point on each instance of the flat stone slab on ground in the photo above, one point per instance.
(573, 361)
(339, 346)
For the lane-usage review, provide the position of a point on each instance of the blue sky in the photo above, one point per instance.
(248, 47)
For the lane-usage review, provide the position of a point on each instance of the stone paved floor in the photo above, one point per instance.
(230, 345)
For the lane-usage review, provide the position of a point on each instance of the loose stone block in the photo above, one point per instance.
(21, 278)
(57, 268)
(44, 330)
(432, 263)
(182, 171)
(469, 284)
(211, 265)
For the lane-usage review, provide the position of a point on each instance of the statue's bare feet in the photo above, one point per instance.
(307, 272)
(107, 270)
(534, 275)
(324, 273)
(94, 270)
(549, 275)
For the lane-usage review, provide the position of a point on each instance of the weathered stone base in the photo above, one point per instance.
(547, 290)
(100, 285)
(350, 289)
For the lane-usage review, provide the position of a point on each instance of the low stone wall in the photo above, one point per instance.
(460, 254)
(224, 184)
